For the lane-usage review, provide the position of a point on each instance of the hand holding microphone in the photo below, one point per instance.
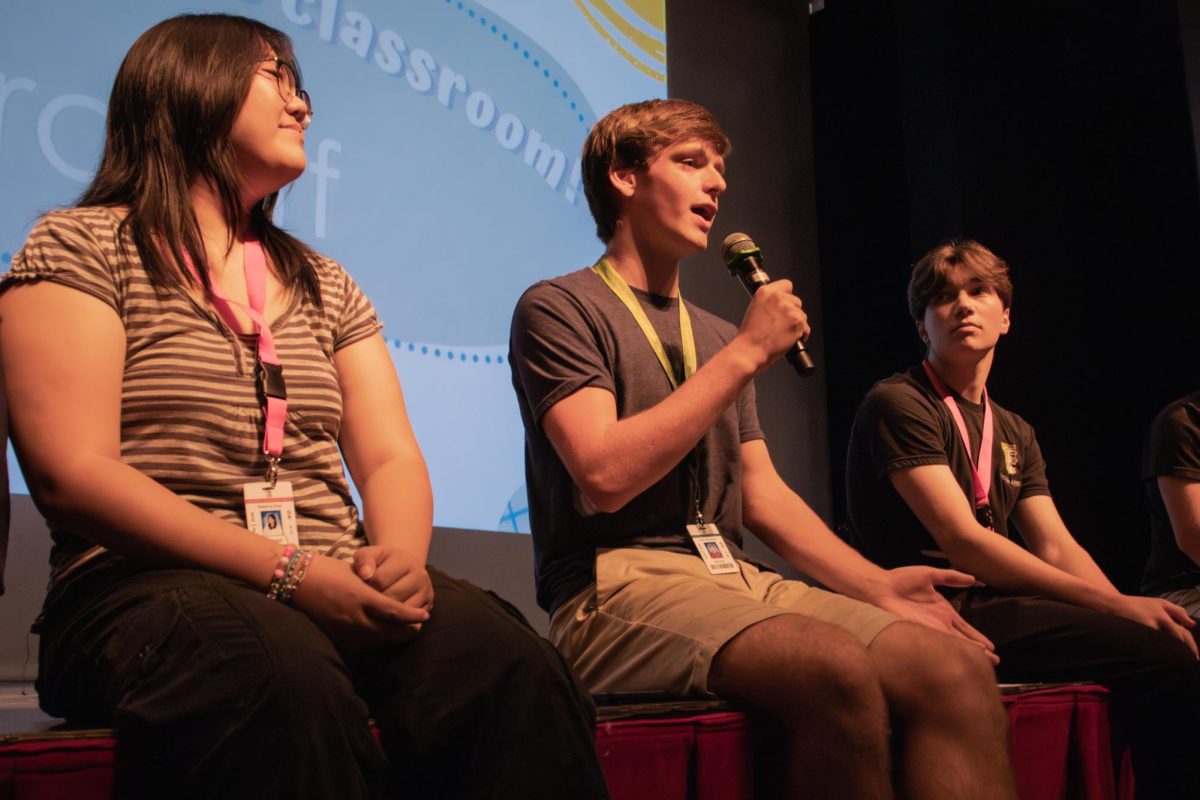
(744, 260)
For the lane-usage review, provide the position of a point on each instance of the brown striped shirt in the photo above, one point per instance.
(190, 416)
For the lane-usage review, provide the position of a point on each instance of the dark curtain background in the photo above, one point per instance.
(1058, 133)
(748, 63)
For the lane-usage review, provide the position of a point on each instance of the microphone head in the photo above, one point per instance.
(737, 245)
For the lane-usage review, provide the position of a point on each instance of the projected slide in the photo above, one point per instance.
(443, 173)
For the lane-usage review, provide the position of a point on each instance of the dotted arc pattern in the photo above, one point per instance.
(449, 352)
(509, 38)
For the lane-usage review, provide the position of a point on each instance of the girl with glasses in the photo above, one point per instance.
(178, 369)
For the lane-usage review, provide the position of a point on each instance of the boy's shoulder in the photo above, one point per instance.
(901, 390)
(578, 284)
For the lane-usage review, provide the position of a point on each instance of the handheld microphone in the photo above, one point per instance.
(744, 260)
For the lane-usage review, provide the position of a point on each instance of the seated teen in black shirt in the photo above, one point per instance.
(1171, 476)
(918, 494)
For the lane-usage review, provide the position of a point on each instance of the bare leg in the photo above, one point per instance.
(951, 730)
(824, 688)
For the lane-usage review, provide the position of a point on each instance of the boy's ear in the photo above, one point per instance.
(1005, 323)
(624, 180)
(921, 332)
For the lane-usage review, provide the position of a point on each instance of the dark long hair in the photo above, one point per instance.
(173, 104)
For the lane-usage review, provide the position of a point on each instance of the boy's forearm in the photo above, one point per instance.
(631, 454)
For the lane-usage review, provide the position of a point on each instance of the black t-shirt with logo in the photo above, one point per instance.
(902, 423)
(1172, 448)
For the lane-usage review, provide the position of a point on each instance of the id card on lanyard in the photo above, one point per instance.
(981, 473)
(705, 537)
(270, 504)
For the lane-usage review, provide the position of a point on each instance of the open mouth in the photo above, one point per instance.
(707, 213)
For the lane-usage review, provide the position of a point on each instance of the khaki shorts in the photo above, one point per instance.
(654, 619)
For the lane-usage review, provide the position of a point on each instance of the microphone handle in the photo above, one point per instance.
(798, 357)
(752, 277)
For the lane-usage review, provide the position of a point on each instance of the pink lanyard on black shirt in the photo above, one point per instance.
(269, 372)
(981, 474)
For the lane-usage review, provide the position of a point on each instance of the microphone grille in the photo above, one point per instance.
(735, 244)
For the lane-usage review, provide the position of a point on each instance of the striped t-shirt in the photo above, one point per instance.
(190, 415)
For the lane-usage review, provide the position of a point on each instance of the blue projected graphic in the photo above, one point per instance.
(443, 173)
(515, 516)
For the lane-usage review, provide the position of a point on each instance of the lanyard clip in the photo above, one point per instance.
(272, 471)
(985, 517)
(270, 381)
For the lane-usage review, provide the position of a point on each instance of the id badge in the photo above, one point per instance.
(713, 549)
(271, 511)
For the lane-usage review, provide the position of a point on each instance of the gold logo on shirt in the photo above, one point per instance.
(1012, 459)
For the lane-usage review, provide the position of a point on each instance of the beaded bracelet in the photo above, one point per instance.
(283, 570)
(294, 577)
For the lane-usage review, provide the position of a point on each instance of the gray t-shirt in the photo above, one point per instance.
(573, 332)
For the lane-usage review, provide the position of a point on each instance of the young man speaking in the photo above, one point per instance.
(644, 458)
(939, 474)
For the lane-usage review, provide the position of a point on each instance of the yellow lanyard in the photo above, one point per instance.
(621, 289)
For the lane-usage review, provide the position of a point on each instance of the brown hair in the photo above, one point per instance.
(630, 137)
(931, 274)
(172, 107)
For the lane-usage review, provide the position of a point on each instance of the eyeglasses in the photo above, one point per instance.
(289, 86)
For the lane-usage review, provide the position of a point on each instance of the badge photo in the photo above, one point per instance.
(712, 549)
(271, 511)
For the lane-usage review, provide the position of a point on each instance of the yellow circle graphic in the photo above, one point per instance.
(645, 51)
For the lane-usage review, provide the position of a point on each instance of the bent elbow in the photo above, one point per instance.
(50, 495)
(57, 492)
(604, 492)
(1051, 554)
(605, 503)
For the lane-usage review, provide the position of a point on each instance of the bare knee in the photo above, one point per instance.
(800, 671)
(841, 676)
(928, 672)
(964, 667)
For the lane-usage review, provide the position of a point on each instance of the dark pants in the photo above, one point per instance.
(1153, 677)
(216, 691)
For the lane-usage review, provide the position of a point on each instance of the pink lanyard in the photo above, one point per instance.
(269, 372)
(982, 484)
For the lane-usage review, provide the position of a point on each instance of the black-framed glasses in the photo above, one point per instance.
(289, 86)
